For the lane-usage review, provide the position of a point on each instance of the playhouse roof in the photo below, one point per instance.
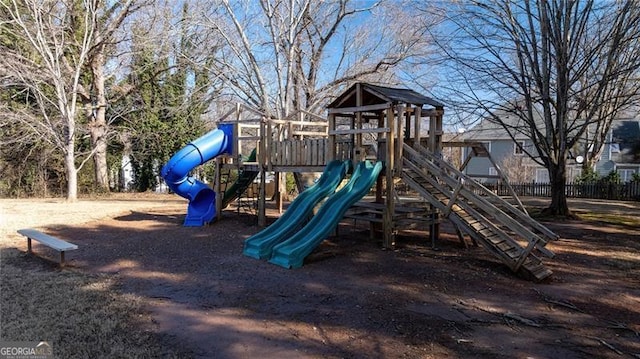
(374, 94)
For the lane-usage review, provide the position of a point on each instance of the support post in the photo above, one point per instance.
(237, 132)
(262, 156)
(400, 135)
(217, 188)
(432, 133)
(417, 124)
(331, 140)
(267, 139)
(388, 228)
(357, 145)
(279, 185)
(435, 147)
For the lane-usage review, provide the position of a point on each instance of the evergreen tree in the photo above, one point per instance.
(171, 94)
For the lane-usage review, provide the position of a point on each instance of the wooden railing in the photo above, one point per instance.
(299, 153)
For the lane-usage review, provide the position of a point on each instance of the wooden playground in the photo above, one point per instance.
(402, 129)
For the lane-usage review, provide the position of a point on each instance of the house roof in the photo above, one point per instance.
(374, 94)
(625, 135)
(489, 130)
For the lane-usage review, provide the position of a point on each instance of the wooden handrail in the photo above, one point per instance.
(469, 181)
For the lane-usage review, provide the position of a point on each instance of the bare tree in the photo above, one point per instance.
(110, 17)
(282, 56)
(48, 62)
(517, 169)
(563, 68)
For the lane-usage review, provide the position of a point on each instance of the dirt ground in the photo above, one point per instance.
(351, 299)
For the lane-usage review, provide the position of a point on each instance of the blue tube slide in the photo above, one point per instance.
(202, 198)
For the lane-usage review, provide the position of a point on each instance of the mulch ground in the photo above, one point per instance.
(352, 299)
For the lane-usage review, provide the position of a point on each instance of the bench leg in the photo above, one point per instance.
(29, 245)
(61, 259)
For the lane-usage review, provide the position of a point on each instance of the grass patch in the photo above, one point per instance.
(82, 316)
(594, 217)
(609, 218)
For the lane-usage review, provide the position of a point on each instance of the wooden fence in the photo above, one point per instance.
(629, 191)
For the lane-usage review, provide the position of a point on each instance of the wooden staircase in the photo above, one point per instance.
(505, 231)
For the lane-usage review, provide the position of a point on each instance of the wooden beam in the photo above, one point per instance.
(359, 131)
(299, 123)
(367, 108)
(308, 133)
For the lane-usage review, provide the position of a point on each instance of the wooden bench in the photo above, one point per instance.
(50, 241)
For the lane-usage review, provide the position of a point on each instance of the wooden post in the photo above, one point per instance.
(432, 133)
(279, 195)
(331, 140)
(440, 112)
(237, 132)
(389, 235)
(266, 138)
(217, 188)
(357, 146)
(417, 124)
(435, 147)
(398, 146)
(262, 157)
(407, 121)
(379, 182)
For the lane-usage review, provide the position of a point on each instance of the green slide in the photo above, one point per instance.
(245, 178)
(291, 253)
(260, 245)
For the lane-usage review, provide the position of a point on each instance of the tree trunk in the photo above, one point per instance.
(558, 180)
(99, 125)
(72, 172)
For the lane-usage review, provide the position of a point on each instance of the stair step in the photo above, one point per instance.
(495, 239)
(512, 252)
(498, 240)
(487, 232)
(533, 268)
(539, 271)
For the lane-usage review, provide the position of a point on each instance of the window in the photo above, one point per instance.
(518, 148)
(626, 174)
(542, 175)
(615, 148)
(492, 171)
(487, 145)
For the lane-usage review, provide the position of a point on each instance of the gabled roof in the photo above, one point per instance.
(625, 135)
(374, 94)
(488, 130)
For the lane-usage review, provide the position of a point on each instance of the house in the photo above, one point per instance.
(621, 152)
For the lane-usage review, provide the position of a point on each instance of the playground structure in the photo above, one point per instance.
(388, 135)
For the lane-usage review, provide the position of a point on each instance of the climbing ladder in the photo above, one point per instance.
(504, 230)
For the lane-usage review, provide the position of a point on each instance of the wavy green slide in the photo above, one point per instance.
(260, 245)
(291, 253)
